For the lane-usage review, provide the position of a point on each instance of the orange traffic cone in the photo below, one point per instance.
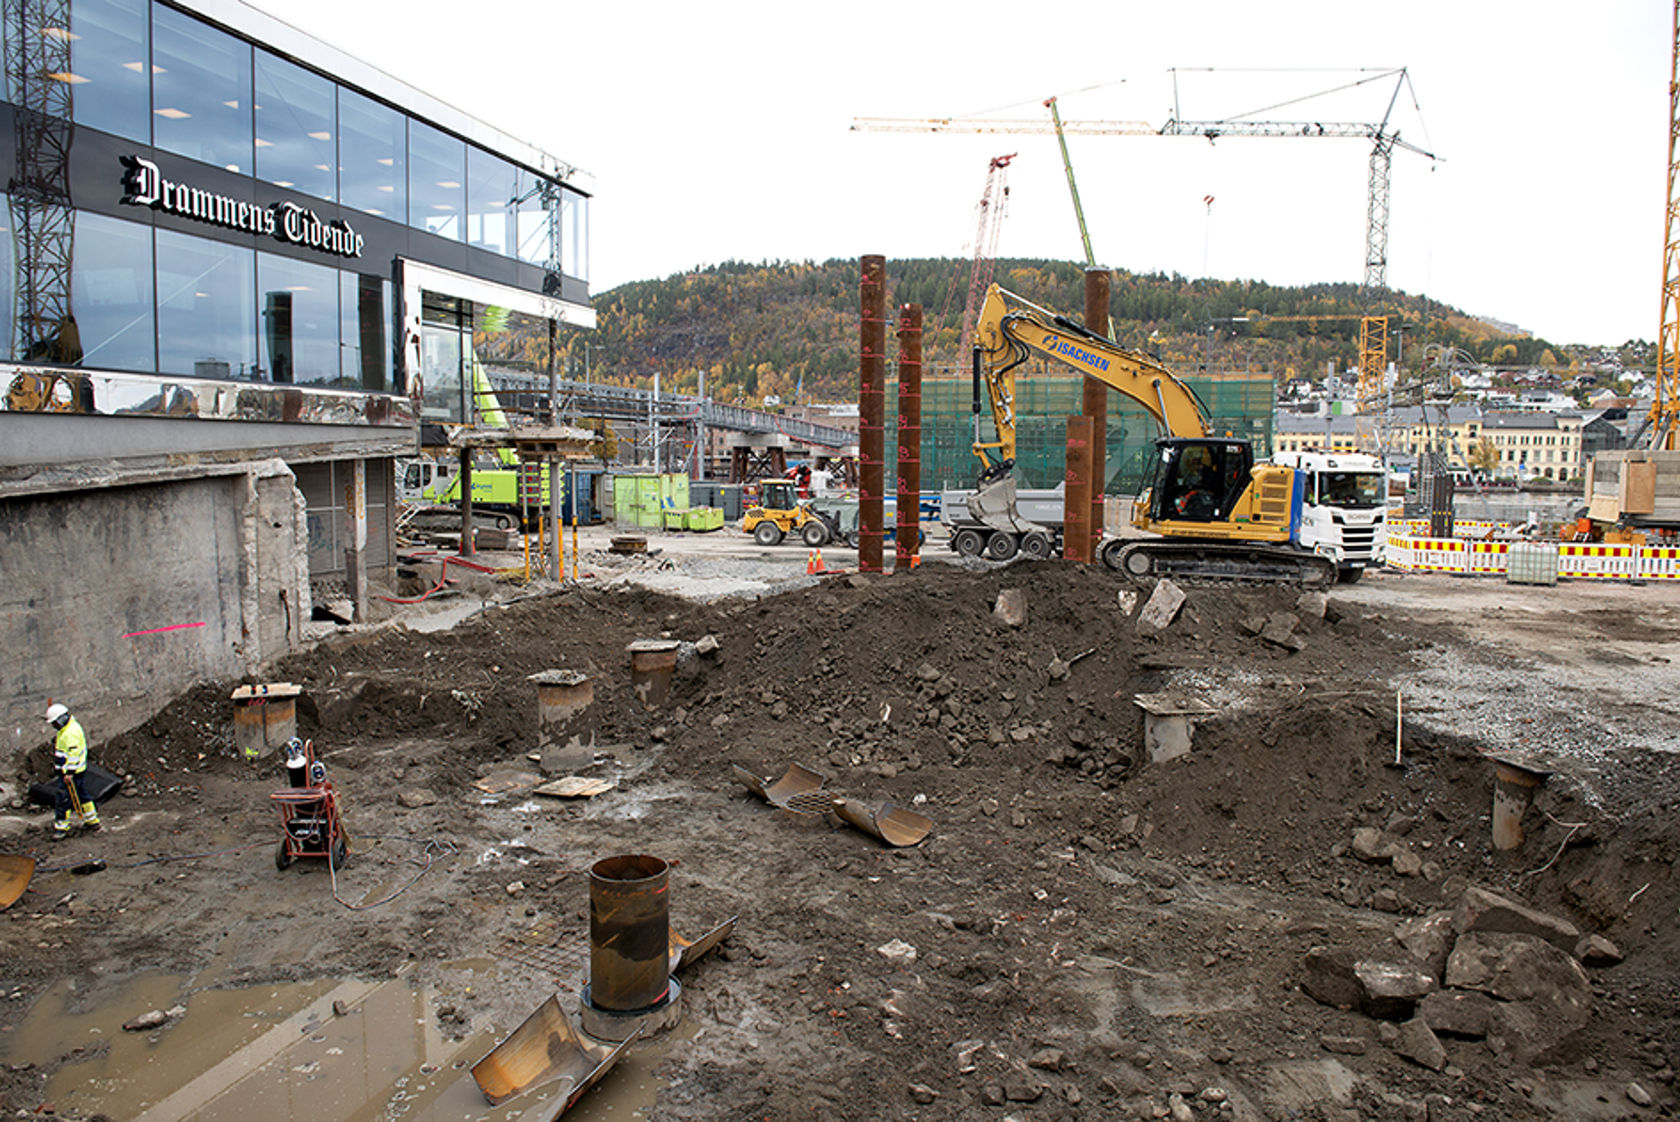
(821, 568)
(811, 563)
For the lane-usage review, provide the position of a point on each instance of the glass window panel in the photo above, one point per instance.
(296, 126)
(207, 307)
(437, 172)
(201, 91)
(372, 154)
(492, 187)
(299, 302)
(108, 60)
(574, 235)
(364, 331)
(443, 396)
(534, 219)
(111, 293)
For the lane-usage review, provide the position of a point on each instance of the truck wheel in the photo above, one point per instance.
(815, 535)
(853, 538)
(1350, 576)
(968, 543)
(1002, 545)
(1035, 546)
(767, 533)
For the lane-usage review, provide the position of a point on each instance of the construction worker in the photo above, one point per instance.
(70, 758)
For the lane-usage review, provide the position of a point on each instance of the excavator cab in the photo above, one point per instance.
(1199, 479)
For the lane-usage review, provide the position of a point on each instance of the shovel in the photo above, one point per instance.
(14, 878)
(544, 1048)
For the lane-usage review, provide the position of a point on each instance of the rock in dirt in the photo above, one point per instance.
(145, 1022)
(1457, 1013)
(922, 1093)
(1391, 990)
(1011, 607)
(1637, 1095)
(897, 951)
(1328, 978)
(707, 645)
(1343, 1045)
(1127, 599)
(1161, 608)
(415, 797)
(1482, 911)
(1596, 950)
(1312, 604)
(1429, 939)
(1544, 995)
(13, 827)
(1280, 631)
(1418, 1044)
(1048, 1059)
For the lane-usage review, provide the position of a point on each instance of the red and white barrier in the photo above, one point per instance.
(1489, 557)
(1576, 560)
(1605, 562)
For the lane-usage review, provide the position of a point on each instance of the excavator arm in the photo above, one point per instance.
(1012, 329)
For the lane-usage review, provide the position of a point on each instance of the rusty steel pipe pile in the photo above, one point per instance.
(1076, 498)
(872, 401)
(908, 542)
(1095, 399)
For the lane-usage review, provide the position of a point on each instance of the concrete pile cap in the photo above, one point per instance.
(271, 689)
(1169, 704)
(653, 646)
(558, 677)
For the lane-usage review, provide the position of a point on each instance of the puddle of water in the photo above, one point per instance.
(280, 1052)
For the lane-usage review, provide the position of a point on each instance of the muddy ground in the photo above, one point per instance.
(1094, 936)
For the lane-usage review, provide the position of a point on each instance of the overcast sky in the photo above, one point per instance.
(721, 130)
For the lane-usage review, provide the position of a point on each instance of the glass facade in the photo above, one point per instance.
(445, 347)
(144, 297)
(300, 320)
(201, 91)
(437, 174)
(492, 202)
(372, 156)
(296, 128)
(109, 54)
(111, 294)
(206, 304)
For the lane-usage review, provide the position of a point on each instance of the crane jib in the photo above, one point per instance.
(1058, 345)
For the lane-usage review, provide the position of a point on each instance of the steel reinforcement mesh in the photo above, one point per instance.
(1239, 403)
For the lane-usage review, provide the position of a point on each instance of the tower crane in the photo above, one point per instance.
(1023, 125)
(1383, 143)
(1664, 419)
(980, 274)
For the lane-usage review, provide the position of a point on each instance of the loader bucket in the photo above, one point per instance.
(798, 780)
(892, 824)
(685, 951)
(544, 1048)
(14, 878)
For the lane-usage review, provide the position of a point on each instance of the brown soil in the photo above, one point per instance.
(1146, 922)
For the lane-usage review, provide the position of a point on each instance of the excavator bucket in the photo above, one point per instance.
(685, 951)
(14, 878)
(797, 784)
(546, 1047)
(997, 504)
(891, 824)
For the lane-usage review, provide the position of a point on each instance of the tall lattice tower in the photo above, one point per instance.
(980, 274)
(38, 66)
(1665, 402)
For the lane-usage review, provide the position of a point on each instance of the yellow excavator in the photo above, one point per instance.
(1211, 513)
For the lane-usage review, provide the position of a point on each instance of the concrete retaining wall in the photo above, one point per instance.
(115, 600)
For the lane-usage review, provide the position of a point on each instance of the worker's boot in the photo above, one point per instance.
(90, 816)
(61, 827)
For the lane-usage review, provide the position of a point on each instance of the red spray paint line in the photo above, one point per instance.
(161, 630)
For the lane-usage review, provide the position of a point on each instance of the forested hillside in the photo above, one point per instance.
(789, 330)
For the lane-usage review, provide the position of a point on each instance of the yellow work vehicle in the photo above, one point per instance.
(1211, 512)
(779, 512)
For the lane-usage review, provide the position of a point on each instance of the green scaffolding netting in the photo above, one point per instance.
(1238, 403)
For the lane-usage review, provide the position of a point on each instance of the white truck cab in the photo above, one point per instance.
(1344, 503)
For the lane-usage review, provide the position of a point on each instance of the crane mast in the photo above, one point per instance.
(1665, 401)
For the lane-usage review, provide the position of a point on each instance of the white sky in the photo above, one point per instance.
(721, 130)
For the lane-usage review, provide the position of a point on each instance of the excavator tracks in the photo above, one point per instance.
(1218, 563)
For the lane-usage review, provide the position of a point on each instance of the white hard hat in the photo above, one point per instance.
(56, 713)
